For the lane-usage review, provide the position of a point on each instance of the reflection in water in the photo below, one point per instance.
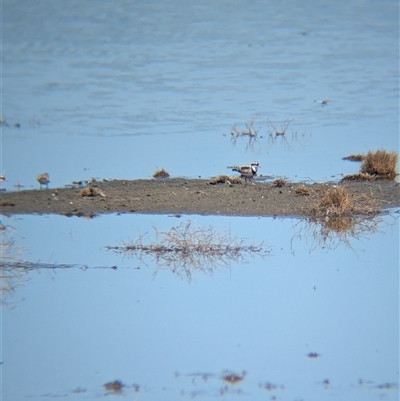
(249, 132)
(329, 233)
(10, 277)
(186, 249)
(337, 217)
(229, 378)
(14, 268)
(274, 134)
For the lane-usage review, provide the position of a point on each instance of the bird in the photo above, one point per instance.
(43, 179)
(247, 171)
(2, 178)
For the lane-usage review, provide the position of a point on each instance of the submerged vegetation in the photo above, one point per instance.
(187, 249)
(375, 165)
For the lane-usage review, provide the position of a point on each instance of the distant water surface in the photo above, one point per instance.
(114, 90)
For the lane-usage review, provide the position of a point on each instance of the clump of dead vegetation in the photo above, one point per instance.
(279, 183)
(187, 249)
(89, 192)
(161, 173)
(375, 165)
(232, 377)
(380, 163)
(301, 190)
(226, 179)
(337, 202)
(7, 203)
(354, 157)
(115, 386)
(339, 216)
(359, 177)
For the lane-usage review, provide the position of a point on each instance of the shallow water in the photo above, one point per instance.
(115, 92)
(163, 335)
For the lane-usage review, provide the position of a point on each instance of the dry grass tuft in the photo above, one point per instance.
(355, 157)
(222, 179)
(89, 192)
(161, 173)
(380, 163)
(7, 203)
(279, 183)
(301, 190)
(358, 177)
(337, 202)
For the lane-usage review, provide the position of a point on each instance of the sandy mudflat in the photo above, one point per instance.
(186, 196)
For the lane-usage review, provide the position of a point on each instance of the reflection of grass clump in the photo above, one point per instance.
(187, 248)
(11, 273)
(161, 173)
(222, 179)
(329, 233)
(339, 216)
(379, 164)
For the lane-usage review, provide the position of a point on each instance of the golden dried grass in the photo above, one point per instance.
(223, 178)
(89, 192)
(337, 202)
(279, 183)
(161, 173)
(358, 177)
(380, 163)
(301, 190)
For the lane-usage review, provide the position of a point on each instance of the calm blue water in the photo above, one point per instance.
(114, 91)
(78, 328)
(117, 89)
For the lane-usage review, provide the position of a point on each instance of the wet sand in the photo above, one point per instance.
(186, 196)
